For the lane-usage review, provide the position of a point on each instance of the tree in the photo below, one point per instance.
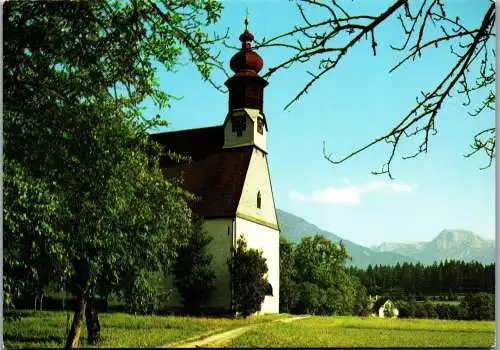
(362, 303)
(193, 275)
(288, 288)
(320, 261)
(310, 300)
(75, 77)
(479, 306)
(248, 269)
(144, 291)
(330, 30)
(31, 214)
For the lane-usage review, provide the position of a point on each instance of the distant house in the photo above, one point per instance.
(383, 307)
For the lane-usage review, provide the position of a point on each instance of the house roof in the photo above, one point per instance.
(215, 174)
(379, 302)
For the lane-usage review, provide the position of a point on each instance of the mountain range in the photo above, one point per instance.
(449, 244)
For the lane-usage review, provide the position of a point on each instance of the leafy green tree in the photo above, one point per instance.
(32, 214)
(479, 306)
(311, 299)
(361, 305)
(143, 293)
(248, 269)
(288, 288)
(193, 275)
(327, 31)
(320, 261)
(75, 77)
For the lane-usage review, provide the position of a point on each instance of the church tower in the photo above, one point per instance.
(245, 123)
(229, 173)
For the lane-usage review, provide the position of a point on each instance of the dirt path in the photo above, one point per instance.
(221, 338)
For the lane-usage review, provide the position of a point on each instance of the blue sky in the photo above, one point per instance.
(350, 106)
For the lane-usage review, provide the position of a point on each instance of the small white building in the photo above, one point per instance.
(383, 306)
(230, 173)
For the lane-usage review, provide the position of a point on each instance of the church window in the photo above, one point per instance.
(260, 126)
(238, 124)
(259, 200)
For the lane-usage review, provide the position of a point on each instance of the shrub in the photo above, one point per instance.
(420, 310)
(248, 268)
(289, 295)
(362, 303)
(479, 306)
(193, 275)
(144, 292)
(309, 299)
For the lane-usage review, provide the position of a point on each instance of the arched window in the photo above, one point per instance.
(259, 200)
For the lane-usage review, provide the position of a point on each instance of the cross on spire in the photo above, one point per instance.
(246, 19)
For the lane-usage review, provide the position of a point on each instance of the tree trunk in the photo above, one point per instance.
(41, 303)
(76, 327)
(93, 325)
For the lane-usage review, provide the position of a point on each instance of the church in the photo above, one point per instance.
(229, 172)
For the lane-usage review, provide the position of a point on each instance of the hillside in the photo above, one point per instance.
(294, 228)
(448, 244)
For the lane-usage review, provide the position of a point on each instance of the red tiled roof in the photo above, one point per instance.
(196, 143)
(215, 174)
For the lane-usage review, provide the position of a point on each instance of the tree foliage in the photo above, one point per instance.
(314, 279)
(320, 261)
(445, 279)
(144, 292)
(93, 199)
(248, 269)
(289, 293)
(194, 277)
(479, 306)
(33, 233)
(329, 31)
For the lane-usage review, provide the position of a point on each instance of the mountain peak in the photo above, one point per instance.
(459, 236)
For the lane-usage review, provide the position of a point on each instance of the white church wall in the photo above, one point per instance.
(221, 230)
(257, 179)
(250, 136)
(231, 139)
(266, 239)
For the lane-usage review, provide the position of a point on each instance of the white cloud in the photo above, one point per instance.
(297, 196)
(350, 195)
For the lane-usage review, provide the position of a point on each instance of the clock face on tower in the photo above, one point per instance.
(238, 124)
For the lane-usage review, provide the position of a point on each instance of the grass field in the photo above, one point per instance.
(445, 302)
(48, 329)
(369, 332)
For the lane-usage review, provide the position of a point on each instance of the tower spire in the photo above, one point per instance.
(246, 19)
(246, 86)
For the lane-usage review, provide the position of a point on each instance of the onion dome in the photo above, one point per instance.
(246, 60)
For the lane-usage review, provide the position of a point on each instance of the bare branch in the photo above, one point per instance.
(331, 39)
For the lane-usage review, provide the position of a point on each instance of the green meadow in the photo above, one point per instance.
(358, 332)
(48, 329)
